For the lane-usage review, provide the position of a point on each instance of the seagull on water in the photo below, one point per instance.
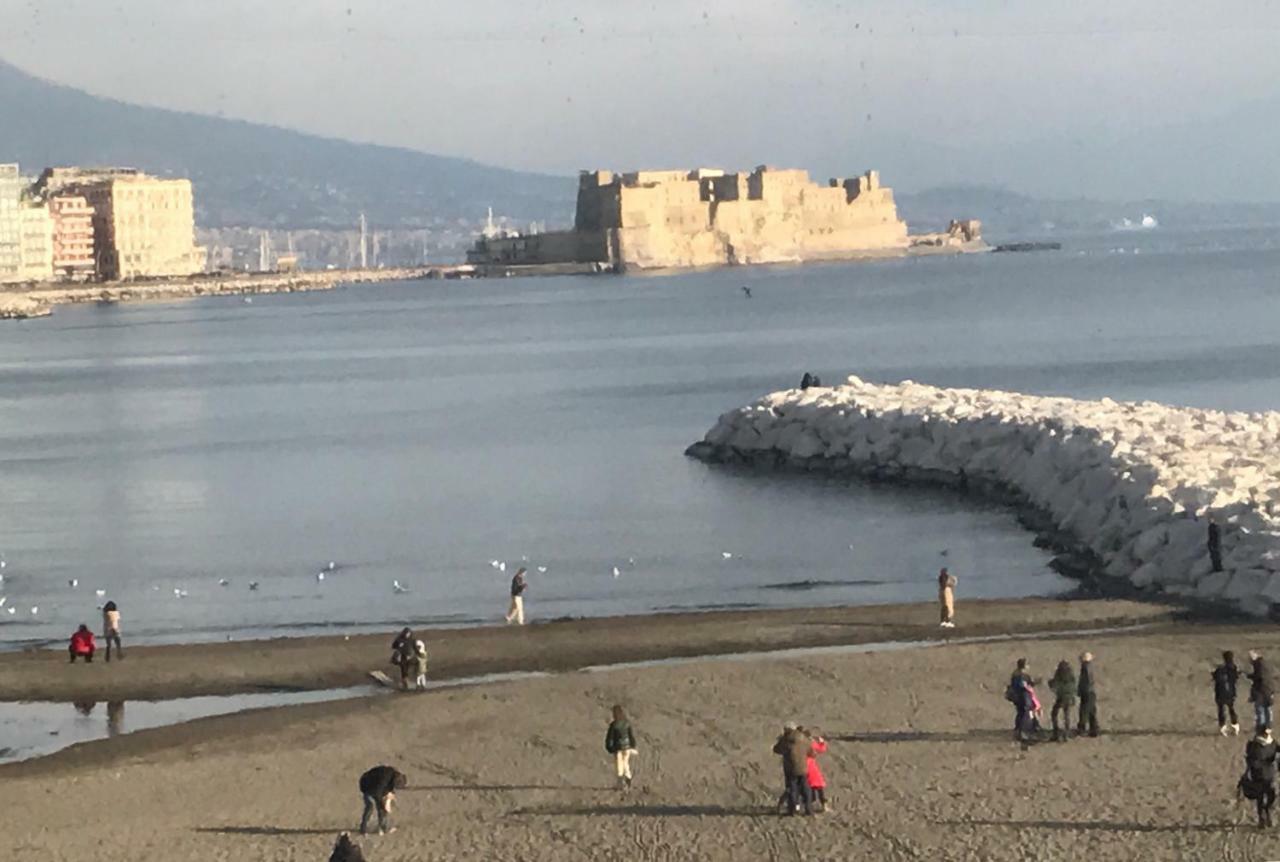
(223, 582)
(502, 567)
(253, 585)
(542, 570)
(73, 583)
(13, 610)
(616, 573)
(35, 609)
(3, 599)
(398, 587)
(332, 565)
(747, 291)
(494, 563)
(726, 555)
(631, 561)
(179, 593)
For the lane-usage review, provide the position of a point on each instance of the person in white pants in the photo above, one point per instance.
(518, 585)
(620, 741)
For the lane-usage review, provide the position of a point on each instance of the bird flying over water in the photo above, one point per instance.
(398, 587)
(747, 291)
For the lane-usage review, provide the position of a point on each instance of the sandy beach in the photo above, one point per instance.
(921, 765)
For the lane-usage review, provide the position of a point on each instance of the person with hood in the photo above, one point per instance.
(1019, 694)
(947, 598)
(82, 645)
(518, 586)
(378, 787)
(1225, 676)
(620, 741)
(1088, 693)
(793, 746)
(1063, 686)
(1259, 780)
(1260, 689)
(420, 664)
(818, 782)
(111, 629)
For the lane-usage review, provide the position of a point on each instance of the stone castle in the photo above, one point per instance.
(705, 217)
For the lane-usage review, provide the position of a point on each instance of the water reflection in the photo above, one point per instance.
(115, 714)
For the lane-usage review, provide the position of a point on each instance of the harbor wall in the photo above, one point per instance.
(1132, 484)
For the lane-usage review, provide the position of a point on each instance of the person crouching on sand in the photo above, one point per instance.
(378, 787)
(82, 645)
(947, 598)
(620, 741)
(420, 664)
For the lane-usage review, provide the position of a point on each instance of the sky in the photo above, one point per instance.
(1051, 98)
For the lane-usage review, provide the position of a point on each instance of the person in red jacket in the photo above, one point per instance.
(817, 782)
(82, 644)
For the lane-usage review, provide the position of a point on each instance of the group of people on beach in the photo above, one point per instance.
(1067, 689)
(409, 654)
(83, 644)
(804, 785)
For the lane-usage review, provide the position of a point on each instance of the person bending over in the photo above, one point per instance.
(378, 787)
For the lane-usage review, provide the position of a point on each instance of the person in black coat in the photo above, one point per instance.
(1225, 676)
(1215, 545)
(1259, 780)
(1088, 693)
(1018, 693)
(1260, 689)
(378, 786)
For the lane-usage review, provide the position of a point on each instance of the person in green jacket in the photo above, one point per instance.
(1063, 685)
(620, 741)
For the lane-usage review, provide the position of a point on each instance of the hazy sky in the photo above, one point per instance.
(557, 85)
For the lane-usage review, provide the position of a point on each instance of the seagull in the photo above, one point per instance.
(73, 583)
(253, 585)
(524, 558)
(726, 555)
(223, 582)
(3, 564)
(502, 567)
(398, 587)
(631, 561)
(320, 576)
(179, 594)
(746, 290)
(248, 300)
(542, 570)
(616, 573)
(99, 593)
(35, 609)
(943, 552)
(332, 565)
(3, 599)
(13, 610)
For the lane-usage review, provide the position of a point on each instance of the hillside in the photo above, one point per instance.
(249, 174)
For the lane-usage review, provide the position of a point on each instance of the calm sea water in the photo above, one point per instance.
(416, 432)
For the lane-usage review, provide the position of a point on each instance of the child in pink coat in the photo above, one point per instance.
(817, 783)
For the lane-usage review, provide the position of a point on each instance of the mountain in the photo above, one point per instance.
(250, 174)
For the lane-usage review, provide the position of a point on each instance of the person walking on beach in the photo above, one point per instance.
(1019, 694)
(1215, 545)
(518, 586)
(1225, 676)
(1063, 686)
(1259, 780)
(378, 787)
(1088, 693)
(111, 629)
(947, 598)
(402, 656)
(420, 665)
(1260, 689)
(817, 781)
(620, 741)
(793, 746)
(82, 645)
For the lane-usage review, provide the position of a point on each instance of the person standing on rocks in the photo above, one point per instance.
(1063, 686)
(1215, 545)
(1225, 676)
(1259, 780)
(111, 629)
(1260, 689)
(1088, 693)
(518, 586)
(947, 599)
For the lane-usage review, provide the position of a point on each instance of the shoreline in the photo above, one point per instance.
(333, 661)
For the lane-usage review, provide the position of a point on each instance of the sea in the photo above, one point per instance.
(202, 463)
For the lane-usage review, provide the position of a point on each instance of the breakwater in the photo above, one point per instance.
(1126, 488)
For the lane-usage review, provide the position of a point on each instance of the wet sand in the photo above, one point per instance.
(922, 765)
(152, 673)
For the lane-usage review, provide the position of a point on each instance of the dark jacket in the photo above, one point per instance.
(1085, 688)
(380, 781)
(1018, 685)
(1063, 685)
(1224, 683)
(1215, 538)
(619, 736)
(518, 585)
(794, 746)
(1260, 683)
(1260, 760)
